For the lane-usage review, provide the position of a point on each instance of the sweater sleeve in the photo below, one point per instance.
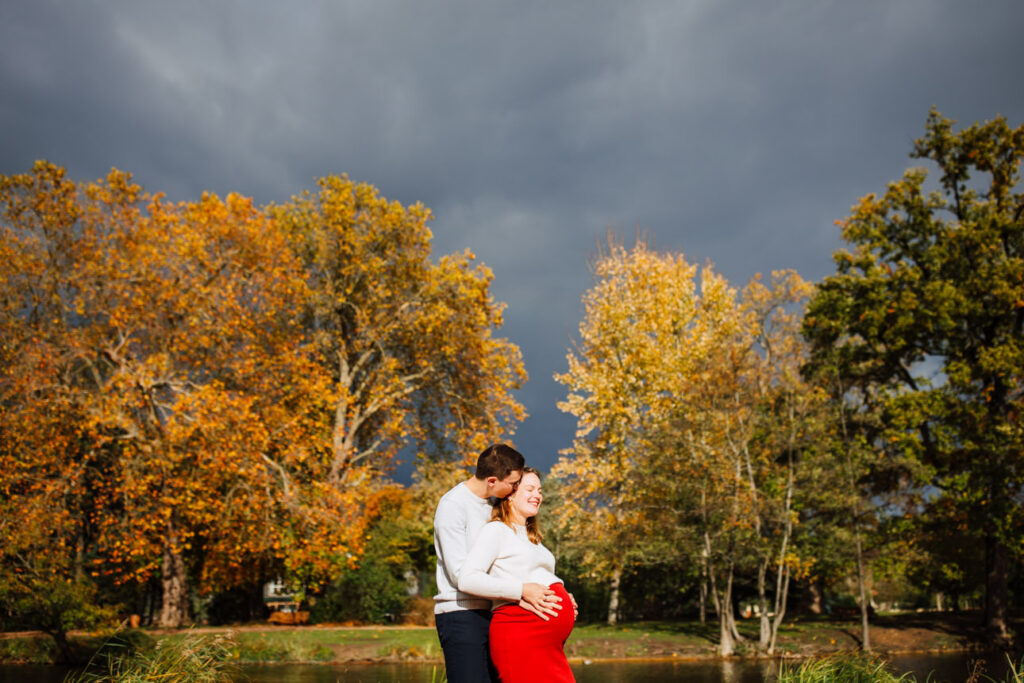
(475, 580)
(450, 539)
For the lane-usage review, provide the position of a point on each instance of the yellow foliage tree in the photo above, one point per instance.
(649, 324)
(690, 413)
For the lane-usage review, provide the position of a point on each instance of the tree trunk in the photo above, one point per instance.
(726, 646)
(765, 634)
(865, 634)
(781, 568)
(996, 594)
(64, 653)
(613, 599)
(726, 623)
(174, 606)
(711, 576)
(736, 636)
(151, 600)
(848, 466)
(704, 586)
(781, 596)
(703, 601)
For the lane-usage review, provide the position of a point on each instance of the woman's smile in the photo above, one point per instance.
(528, 497)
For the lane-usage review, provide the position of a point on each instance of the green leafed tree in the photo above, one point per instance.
(927, 309)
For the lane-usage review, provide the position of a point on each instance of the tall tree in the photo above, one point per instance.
(692, 420)
(643, 329)
(927, 309)
(210, 389)
(788, 423)
(855, 481)
(157, 325)
(402, 348)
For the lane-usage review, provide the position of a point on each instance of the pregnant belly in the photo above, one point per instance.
(513, 623)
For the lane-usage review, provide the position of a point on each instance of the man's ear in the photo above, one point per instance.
(491, 481)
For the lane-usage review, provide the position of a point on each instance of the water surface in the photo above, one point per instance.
(942, 668)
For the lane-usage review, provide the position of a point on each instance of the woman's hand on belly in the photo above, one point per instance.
(540, 600)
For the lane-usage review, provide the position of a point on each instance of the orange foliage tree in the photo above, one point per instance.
(401, 349)
(211, 390)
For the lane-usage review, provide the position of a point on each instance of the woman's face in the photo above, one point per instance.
(527, 498)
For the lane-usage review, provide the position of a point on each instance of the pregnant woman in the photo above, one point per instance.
(507, 554)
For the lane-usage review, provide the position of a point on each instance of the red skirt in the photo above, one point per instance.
(527, 649)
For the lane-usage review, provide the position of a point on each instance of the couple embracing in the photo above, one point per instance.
(499, 609)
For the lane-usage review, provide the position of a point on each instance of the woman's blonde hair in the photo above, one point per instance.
(503, 512)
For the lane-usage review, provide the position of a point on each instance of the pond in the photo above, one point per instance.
(950, 668)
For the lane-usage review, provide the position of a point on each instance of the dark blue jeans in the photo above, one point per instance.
(463, 636)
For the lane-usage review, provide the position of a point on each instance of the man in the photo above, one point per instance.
(463, 620)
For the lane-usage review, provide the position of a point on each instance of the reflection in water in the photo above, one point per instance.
(31, 673)
(727, 671)
(597, 672)
(955, 668)
(949, 668)
(345, 673)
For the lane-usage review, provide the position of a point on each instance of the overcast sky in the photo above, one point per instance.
(733, 132)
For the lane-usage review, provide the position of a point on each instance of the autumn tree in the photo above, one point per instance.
(210, 390)
(789, 425)
(926, 309)
(46, 578)
(750, 421)
(157, 325)
(398, 547)
(692, 417)
(636, 334)
(402, 349)
(51, 478)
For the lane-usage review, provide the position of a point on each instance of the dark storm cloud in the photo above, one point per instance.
(730, 131)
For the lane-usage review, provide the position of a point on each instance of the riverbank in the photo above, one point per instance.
(261, 643)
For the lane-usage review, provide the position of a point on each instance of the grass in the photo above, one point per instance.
(1015, 674)
(185, 658)
(199, 658)
(28, 650)
(341, 644)
(841, 669)
(41, 649)
(801, 637)
(211, 658)
(858, 668)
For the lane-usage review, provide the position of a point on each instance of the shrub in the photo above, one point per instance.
(419, 611)
(370, 594)
(237, 605)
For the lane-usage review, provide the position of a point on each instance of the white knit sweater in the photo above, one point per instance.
(460, 516)
(501, 560)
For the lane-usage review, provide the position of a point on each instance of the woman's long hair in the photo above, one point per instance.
(503, 512)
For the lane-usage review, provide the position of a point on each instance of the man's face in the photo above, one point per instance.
(502, 488)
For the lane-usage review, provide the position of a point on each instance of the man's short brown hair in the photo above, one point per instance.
(499, 460)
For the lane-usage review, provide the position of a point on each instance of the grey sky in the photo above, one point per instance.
(735, 132)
